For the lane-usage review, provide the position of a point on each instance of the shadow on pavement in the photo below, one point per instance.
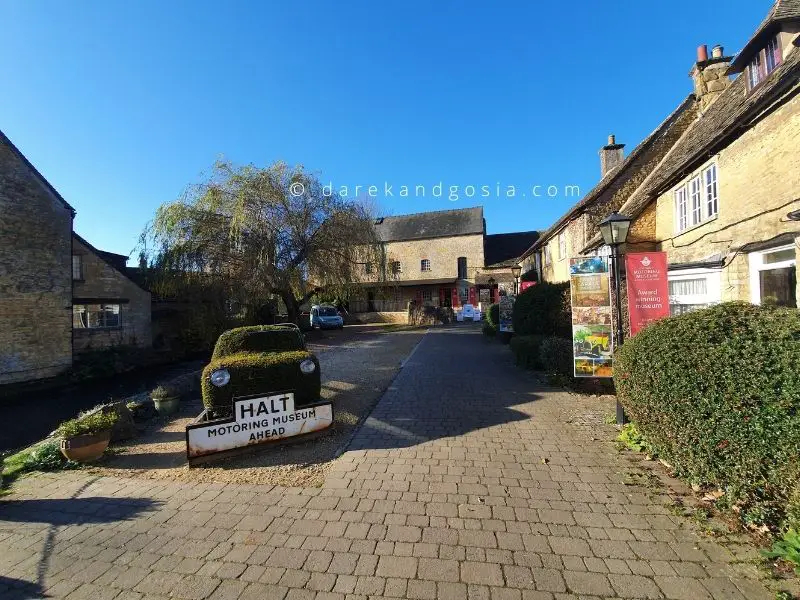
(454, 383)
(67, 511)
(19, 589)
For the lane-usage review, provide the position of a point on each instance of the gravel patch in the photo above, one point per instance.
(357, 365)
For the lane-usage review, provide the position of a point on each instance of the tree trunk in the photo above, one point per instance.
(292, 308)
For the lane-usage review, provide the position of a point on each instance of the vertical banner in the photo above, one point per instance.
(473, 296)
(507, 313)
(648, 289)
(592, 339)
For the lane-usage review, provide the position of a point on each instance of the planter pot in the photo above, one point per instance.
(166, 406)
(86, 447)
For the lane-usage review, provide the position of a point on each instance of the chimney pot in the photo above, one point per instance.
(717, 51)
(611, 155)
(702, 53)
(612, 140)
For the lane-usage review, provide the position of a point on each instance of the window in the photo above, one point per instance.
(693, 289)
(77, 267)
(694, 197)
(562, 245)
(764, 62)
(772, 55)
(396, 267)
(427, 296)
(463, 294)
(773, 277)
(710, 178)
(547, 256)
(697, 200)
(95, 316)
(425, 265)
(462, 267)
(368, 268)
(681, 212)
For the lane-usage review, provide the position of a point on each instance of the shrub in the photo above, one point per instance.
(162, 392)
(555, 355)
(716, 393)
(493, 316)
(91, 423)
(259, 373)
(489, 330)
(526, 350)
(44, 456)
(258, 338)
(544, 309)
(529, 276)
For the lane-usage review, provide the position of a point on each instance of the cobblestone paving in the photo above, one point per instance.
(468, 482)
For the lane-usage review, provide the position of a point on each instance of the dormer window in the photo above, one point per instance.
(764, 62)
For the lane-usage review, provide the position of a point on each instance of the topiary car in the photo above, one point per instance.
(257, 360)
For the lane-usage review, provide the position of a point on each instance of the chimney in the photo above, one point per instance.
(709, 74)
(611, 155)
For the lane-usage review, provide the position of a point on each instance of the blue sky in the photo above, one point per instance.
(121, 105)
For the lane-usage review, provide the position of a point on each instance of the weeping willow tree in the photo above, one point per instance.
(261, 233)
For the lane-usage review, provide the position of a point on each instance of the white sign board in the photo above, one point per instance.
(256, 420)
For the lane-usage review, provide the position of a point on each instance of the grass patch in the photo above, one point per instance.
(44, 456)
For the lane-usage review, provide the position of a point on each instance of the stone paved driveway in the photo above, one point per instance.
(469, 481)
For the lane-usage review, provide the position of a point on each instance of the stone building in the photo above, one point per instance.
(35, 283)
(108, 308)
(620, 176)
(58, 294)
(437, 259)
(724, 203)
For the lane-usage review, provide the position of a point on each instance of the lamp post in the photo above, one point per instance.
(614, 229)
(516, 270)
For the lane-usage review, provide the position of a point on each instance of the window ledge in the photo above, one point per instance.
(698, 226)
(93, 329)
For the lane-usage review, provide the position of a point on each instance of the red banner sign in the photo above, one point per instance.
(473, 296)
(524, 285)
(454, 298)
(648, 289)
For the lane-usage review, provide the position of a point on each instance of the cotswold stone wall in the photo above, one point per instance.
(103, 282)
(759, 183)
(443, 254)
(35, 283)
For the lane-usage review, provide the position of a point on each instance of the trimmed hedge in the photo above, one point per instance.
(260, 373)
(493, 316)
(526, 350)
(716, 393)
(258, 338)
(544, 309)
(555, 356)
(489, 330)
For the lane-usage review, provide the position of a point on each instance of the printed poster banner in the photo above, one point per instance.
(648, 289)
(524, 285)
(592, 339)
(506, 313)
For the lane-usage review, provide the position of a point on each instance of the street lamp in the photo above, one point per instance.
(516, 270)
(614, 229)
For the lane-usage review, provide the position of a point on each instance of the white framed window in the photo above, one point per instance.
(773, 276)
(697, 199)
(764, 62)
(754, 71)
(681, 209)
(396, 267)
(425, 265)
(95, 316)
(696, 215)
(427, 296)
(692, 289)
(712, 200)
(562, 245)
(772, 54)
(547, 256)
(77, 267)
(463, 294)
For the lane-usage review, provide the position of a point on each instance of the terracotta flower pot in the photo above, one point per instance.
(86, 447)
(166, 406)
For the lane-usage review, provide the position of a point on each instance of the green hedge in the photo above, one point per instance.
(489, 330)
(257, 373)
(716, 393)
(526, 350)
(544, 309)
(529, 276)
(258, 338)
(493, 316)
(556, 357)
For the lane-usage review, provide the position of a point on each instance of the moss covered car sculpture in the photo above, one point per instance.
(262, 384)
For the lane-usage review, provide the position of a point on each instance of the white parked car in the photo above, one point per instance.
(468, 313)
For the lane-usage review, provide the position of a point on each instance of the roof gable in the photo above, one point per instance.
(781, 11)
(51, 191)
(418, 226)
(504, 249)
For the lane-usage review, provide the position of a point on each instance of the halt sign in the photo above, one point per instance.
(256, 420)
